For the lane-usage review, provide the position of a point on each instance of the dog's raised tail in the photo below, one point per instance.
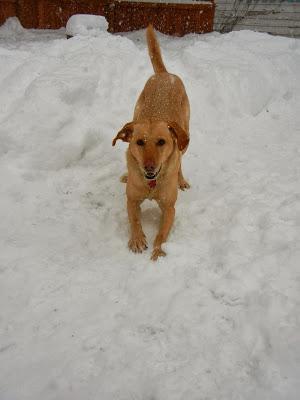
(154, 51)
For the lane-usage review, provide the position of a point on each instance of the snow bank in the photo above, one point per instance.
(81, 317)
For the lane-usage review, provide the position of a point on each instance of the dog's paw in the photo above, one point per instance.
(138, 244)
(124, 178)
(183, 184)
(157, 252)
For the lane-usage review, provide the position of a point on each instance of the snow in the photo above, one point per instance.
(86, 25)
(82, 317)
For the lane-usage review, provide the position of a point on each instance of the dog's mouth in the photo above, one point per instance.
(151, 176)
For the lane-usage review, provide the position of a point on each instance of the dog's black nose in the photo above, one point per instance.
(149, 167)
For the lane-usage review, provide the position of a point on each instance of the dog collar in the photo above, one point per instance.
(152, 183)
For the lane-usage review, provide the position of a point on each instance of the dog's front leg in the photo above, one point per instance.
(168, 214)
(137, 242)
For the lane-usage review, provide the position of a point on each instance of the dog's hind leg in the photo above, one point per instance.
(182, 183)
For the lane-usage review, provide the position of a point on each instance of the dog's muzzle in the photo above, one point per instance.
(151, 175)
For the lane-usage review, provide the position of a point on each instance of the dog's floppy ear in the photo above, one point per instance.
(125, 133)
(180, 134)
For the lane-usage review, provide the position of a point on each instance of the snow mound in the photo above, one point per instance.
(86, 25)
(11, 27)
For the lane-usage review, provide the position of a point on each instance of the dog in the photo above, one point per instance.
(158, 135)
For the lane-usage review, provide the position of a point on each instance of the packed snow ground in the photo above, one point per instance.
(81, 316)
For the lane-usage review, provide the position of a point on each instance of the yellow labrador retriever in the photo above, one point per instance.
(158, 135)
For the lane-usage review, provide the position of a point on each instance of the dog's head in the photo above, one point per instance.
(152, 143)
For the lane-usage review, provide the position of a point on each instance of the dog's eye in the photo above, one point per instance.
(140, 142)
(161, 142)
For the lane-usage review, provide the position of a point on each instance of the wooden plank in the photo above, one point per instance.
(276, 30)
(261, 19)
(285, 31)
(260, 16)
(256, 2)
(283, 7)
(272, 23)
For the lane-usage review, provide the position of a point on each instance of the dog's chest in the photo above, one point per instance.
(152, 194)
(152, 191)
